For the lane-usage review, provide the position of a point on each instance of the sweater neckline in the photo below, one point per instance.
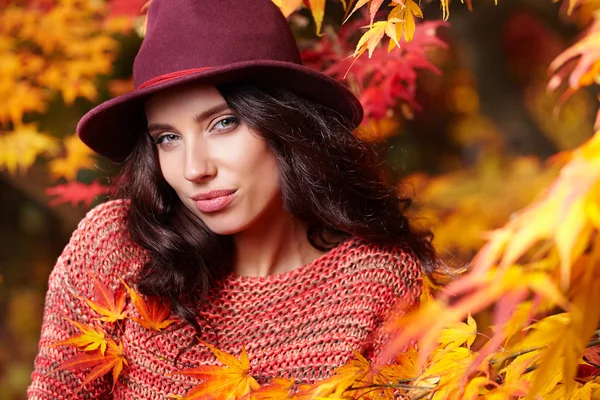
(316, 266)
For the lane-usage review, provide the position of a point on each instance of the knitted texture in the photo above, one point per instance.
(301, 323)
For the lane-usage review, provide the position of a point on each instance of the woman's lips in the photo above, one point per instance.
(214, 204)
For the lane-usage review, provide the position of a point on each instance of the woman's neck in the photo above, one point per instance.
(276, 244)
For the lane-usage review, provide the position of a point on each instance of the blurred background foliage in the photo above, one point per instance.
(473, 147)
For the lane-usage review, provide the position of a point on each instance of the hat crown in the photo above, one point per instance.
(189, 34)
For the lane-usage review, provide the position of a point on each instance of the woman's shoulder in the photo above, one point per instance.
(108, 215)
(395, 266)
(101, 244)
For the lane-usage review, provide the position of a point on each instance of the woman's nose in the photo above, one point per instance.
(198, 163)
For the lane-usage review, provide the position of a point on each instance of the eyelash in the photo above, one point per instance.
(159, 139)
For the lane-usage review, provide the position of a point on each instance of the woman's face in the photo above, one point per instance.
(220, 170)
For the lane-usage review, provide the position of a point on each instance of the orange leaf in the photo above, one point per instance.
(153, 312)
(358, 374)
(102, 364)
(105, 303)
(228, 382)
(90, 338)
(277, 388)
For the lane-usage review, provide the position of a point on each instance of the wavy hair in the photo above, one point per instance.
(329, 179)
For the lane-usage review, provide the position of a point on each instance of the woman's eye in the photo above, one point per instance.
(166, 139)
(226, 123)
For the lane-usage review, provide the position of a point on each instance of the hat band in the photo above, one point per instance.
(171, 76)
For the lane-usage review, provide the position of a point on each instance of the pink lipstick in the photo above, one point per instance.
(214, 200)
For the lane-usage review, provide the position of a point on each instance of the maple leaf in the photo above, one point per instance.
(230, 381)
(405, 13)
(78, 157)
(101, 364)
(153, 312)
(20, 148)
(75, 193)
(89, 339)
(360, 377)
(458, 333)
(277, 388)
(317, 9)
(19, 97)
(111, 307)
(561, 215)
(287, 7)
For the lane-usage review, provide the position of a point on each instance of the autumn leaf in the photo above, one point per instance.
(405, 13)
(561, 215)
(111, 307)
(153, 312)
(287, 7)
(78, 157)
(357, 375)
(317, 9)
(90, 338)
(459, 333)
(75, 193)
(20, 148)
(277, 388)
(101, 364)
(230, 381)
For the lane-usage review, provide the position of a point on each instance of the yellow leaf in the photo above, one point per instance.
(357, 373)
(458, 333)
(20, 148)
(371, 38)
(78, 157)
(560, 216)
(358, 5)
(89, 339)
(287, 6)
(317, 8)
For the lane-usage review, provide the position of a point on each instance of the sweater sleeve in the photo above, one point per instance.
(400, 271)
(99, 245)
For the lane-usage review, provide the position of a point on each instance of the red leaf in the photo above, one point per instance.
(75, 193)
(102, 364)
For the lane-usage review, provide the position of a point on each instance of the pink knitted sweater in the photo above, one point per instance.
(300, 323)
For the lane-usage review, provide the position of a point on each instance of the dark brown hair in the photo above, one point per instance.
(329, 179)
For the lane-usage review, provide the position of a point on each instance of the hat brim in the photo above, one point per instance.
(113, 127)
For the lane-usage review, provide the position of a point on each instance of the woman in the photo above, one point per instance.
(247, 205)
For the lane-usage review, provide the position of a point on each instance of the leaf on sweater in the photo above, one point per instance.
(108, 304)
(277, 388)
(358, 378)
(153, 312)
(230, 381)
(101, 364)
(75, 193)
(89, 339)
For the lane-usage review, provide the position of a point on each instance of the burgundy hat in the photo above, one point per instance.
(213, 41)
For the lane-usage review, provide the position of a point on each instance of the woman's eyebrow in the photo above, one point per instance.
(211, 111)
(198, 118)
